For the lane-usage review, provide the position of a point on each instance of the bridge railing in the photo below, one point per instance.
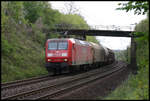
(95, 27)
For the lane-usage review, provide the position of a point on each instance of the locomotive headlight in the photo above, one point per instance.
(65, 59)
(49, 59)
(64, 54)
(49, 54)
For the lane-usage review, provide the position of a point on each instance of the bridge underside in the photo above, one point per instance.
(83, 32)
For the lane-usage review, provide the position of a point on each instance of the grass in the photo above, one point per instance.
(21, 56)
(137, 86)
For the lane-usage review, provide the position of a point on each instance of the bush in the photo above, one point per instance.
(137, 86)
(6, 47)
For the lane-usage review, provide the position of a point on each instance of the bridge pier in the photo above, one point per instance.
(133, 63)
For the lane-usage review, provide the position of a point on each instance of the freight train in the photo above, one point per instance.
(71, 54)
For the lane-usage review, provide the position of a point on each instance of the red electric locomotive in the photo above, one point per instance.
(67, 54)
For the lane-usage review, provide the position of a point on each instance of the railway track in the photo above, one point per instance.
(21, 82)
(85, 81)
(21, 85)
(63, 85)
(65, 90)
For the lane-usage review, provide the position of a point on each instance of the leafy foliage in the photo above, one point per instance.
(92, 39)
(74, 21)
(139, 7)
(6, 47)
(137, 86)
(32, 10)
(142, 28)
(120, 55)
(14, 9)
(23, 40)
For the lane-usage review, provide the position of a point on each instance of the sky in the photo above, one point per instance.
(104, 13)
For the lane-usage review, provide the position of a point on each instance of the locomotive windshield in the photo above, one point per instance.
(62, 45)
(52, 45)
(58, 45)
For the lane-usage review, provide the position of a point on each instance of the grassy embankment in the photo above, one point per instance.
(22, 55)
(23, 40)
(136, 87)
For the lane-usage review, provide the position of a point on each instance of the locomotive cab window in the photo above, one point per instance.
(52, 45)
(60, 45)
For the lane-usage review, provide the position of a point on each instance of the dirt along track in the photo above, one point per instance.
(98, 89)
(57, 88)
(15, 87)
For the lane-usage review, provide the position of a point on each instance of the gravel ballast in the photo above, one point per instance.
(100, 88)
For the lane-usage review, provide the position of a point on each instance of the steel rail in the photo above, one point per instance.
(21, 95)
(19, 81)
(91, 79)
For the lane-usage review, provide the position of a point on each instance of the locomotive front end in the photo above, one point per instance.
(57, 55)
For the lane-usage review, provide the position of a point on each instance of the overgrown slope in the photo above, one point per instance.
(22, 39)
(22, 55)
(137, 86)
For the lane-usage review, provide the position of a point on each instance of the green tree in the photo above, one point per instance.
(14, 10)
(50, 17)
(33, 10)
(143, 28)
(73, 21)
(42, 9)
(138, 82)
(139, 7)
